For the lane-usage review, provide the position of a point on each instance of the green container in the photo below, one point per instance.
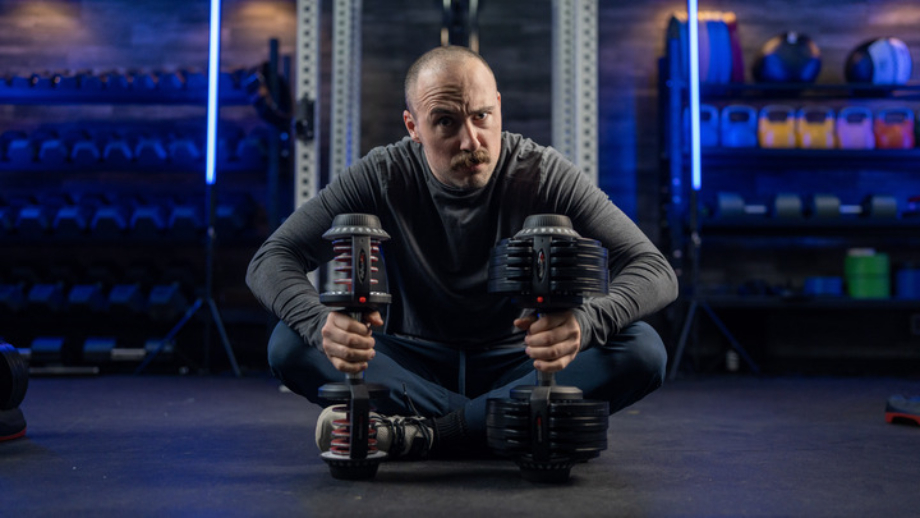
(868, 276)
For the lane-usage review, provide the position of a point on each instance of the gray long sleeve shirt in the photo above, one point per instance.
(437, 257)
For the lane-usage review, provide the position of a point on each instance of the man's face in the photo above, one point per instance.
(457, 119)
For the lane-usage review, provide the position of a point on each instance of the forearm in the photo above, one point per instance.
(644, 286)
(277, 276)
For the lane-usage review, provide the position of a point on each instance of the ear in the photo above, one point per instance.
(410, 125)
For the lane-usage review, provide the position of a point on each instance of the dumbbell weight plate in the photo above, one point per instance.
(787, 206)
(14, 377)
(880, 206)
(825, 206)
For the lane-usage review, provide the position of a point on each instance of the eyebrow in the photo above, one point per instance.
(447, 111)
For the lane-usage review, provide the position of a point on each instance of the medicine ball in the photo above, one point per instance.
(789, 57)
(881, 61)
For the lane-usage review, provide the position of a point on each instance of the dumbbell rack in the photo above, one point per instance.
(721, 260)
(130, 206)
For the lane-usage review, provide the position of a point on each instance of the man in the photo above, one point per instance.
(447, 194)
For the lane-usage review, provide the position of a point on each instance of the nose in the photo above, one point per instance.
(469, 138)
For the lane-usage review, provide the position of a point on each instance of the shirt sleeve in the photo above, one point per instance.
(641, 281)
(277, 273)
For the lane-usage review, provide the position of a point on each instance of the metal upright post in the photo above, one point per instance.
(345, 142)
(306, 92)
(575, 82)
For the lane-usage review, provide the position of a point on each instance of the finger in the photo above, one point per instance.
(525, 322)
(373, 318)
(550, 366)
(346, 322)
(552, 352)
(347, 367)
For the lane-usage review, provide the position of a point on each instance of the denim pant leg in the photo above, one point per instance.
(621, 372)
(398, 366)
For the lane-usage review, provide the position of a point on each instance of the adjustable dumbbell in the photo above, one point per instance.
(142, 82)
(547, 428)
(12, 297)
(90, 82)
(47, 297)
(111, 220)
(14, 377)
(356, 242)
(72, 221)
(166, 301)
(104, 349)
(87, 298)
(117, 153)
(20, 151)
(185, 222)
(14, 381)
(53, 152)
(48, 349)
(876, 206)
(34, 220)
(784, 206)
(93, 350)
(149, 151)
(233, 215)
(127, 298)
(169, 82)
(253, 148)
(194, 80)
(115, 82)
(148, 221)
(184, 151)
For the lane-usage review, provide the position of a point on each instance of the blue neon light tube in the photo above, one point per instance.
(213, 77)
(693, 25)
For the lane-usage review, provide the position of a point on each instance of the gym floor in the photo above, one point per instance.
(154, 445)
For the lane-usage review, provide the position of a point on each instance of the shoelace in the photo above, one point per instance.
(398, 431)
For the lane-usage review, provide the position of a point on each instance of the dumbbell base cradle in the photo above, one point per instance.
(342, 467)
(12, 424)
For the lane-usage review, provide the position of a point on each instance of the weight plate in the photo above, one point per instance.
(14, 377)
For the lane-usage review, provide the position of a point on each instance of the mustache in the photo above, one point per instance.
(468, 159)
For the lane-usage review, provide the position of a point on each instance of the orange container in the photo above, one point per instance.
(894, 128)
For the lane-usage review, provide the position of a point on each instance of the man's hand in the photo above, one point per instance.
(552, 340)
(347, 342)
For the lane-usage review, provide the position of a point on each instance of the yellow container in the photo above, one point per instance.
(814, 128)
(776, 127)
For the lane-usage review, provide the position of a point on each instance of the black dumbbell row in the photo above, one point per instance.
(83, 148)
(161, 302)
(118, 85)
(116, 217)
(55, 353)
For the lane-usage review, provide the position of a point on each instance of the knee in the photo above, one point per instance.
(642, 351)
(297, 364)
(629, 367)
(284, 347)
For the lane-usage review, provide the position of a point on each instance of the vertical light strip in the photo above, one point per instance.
(213, 77)
(693, 25)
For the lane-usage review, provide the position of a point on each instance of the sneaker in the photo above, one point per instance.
(402, 438)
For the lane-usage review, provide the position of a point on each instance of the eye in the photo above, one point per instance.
(444, 121)
(481, 116)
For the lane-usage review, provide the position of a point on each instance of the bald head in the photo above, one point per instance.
(435, 60)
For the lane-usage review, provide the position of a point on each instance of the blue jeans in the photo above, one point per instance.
(440, 380)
